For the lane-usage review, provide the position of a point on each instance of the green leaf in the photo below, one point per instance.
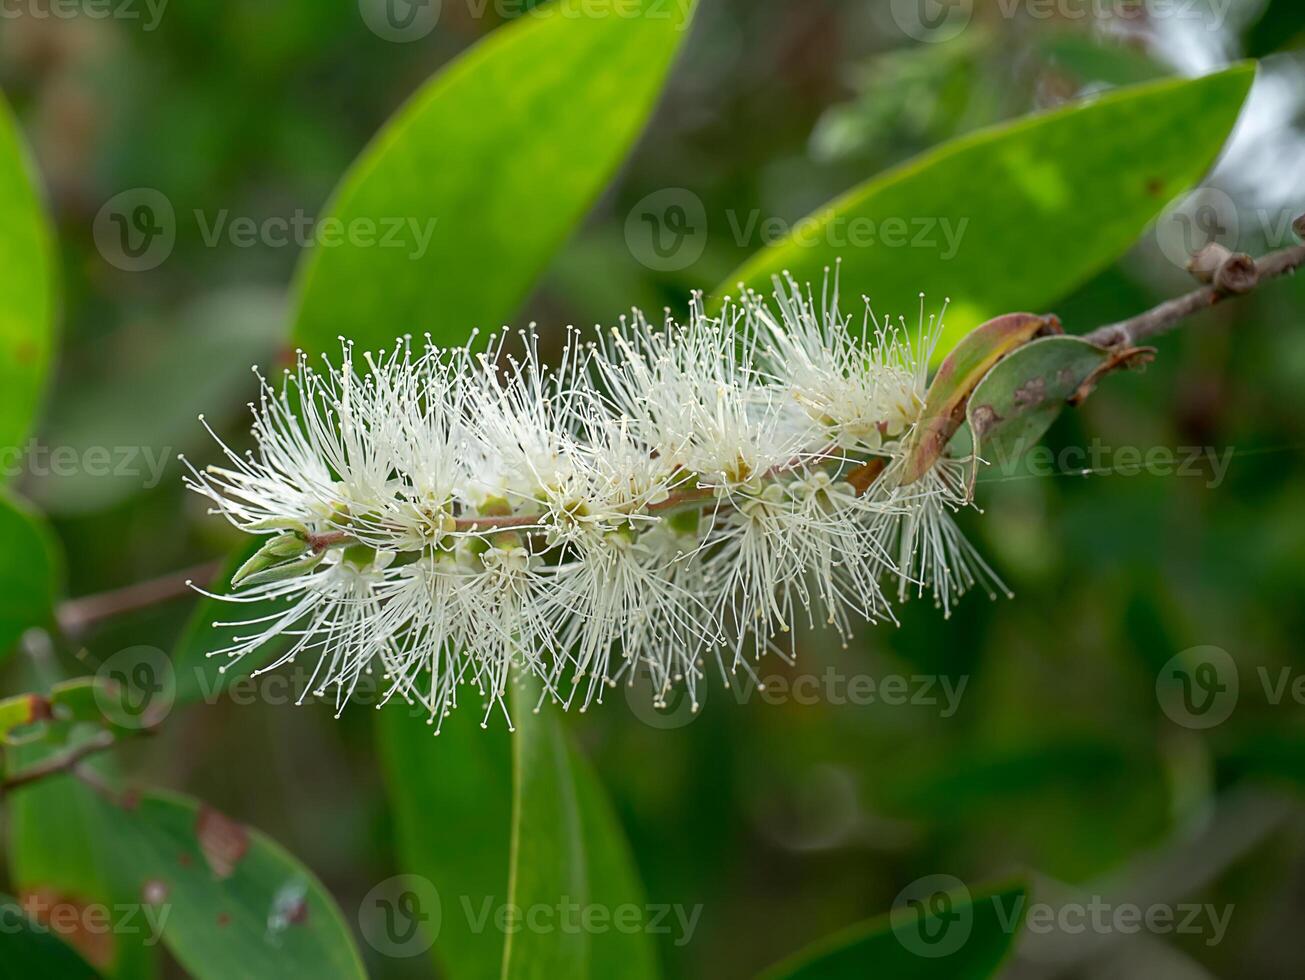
(28, 949)
(960, 373)
(496, 160)
(567, 847)
(28, 574)
(80, 699)
(236, 903)
(453, 797)
(21, 711)
(941, 936)
(199, 676)
(65, 855)
(613, 882)
(452, 800)
(1033, 208)
(1017, 400)
(1095, 59)
(27, 300)
(63, 844)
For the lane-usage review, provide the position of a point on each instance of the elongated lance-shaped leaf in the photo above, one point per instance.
(27, 301)
(481, 177)
(1019, 215)
(938, 935)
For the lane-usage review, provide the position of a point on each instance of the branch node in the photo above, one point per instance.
(1237, 274)
(1205, 263)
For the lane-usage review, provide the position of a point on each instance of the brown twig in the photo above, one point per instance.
(75, 615)
(56, 764)
(1166, 316)
(1231, 275)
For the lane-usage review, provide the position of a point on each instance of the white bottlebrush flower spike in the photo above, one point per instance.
(666, 499)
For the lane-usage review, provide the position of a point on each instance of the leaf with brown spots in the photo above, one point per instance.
(965, 367)
(79, 922)
(1016, 403)
(238, 904)
(222, 841)
(31, 949)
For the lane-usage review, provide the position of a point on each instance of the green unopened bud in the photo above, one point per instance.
(279, 524)
(284, 556)
(285, 570)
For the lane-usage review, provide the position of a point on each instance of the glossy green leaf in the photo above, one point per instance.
(941, 936)
(28, 949)
(199, 676)
(65, 855)
(547, 862)
(481, 177)
(1016, 216)
(614, 884)
(454, 802)
(28, 572)
(236, 903)
(960, 373)
(27, 300)
(1017, 400)
(567, 847)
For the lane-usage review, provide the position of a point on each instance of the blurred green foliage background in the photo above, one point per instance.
(784, 821)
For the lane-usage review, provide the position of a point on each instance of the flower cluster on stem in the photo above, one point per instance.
(667, 499)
